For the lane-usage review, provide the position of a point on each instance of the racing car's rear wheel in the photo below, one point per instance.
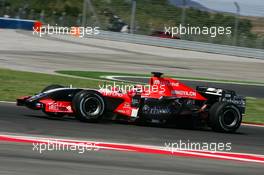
(50, 87)
(89, 106)
(225, 117)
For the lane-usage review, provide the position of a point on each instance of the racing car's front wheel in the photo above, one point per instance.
(225, 117)
(89, 106)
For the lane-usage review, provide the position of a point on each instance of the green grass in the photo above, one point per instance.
(254, 110)
(14, 84)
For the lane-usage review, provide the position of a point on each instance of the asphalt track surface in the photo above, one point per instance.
(240, 89)
(22, 51)
(17, 158)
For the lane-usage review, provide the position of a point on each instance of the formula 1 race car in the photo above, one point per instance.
(162, 100)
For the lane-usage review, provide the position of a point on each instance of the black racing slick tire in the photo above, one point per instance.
(89, 106)
(225, 117)
(53, 86)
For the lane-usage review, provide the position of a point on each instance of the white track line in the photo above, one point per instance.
(8, 102)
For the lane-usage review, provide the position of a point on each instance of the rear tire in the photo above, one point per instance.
(89, 106)
(225, 117)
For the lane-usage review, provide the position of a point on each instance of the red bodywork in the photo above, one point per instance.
(57, 106)
(158, 87)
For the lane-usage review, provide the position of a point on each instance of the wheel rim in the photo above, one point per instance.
(91, 106)
(229, 118)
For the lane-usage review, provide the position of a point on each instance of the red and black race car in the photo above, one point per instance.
(162, 100)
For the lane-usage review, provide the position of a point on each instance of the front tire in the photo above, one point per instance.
(89, 106)
(225, 117)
